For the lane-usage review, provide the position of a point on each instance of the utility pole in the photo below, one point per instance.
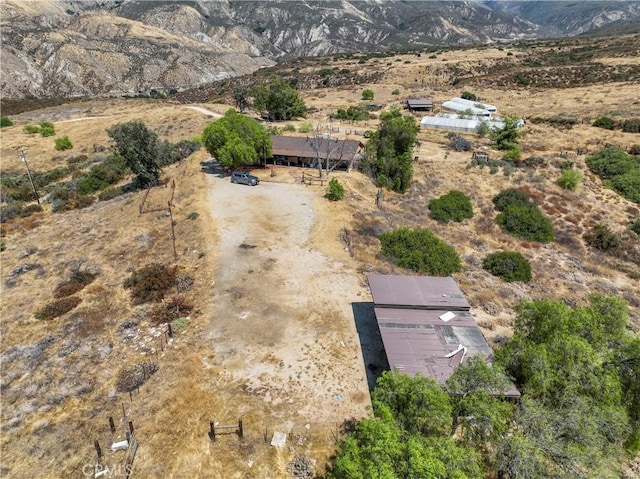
(23, 157)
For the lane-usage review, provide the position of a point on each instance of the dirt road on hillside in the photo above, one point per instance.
(284, 321)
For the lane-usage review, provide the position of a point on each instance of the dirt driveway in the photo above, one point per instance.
(284, 321)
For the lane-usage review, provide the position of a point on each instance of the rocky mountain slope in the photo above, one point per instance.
(67, 48)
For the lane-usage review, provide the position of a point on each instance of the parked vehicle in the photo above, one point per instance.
(244, 178)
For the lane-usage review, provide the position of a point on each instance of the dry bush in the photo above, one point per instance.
(151, 282)
(58, 307)
(133, 376)
(171, 310)
(78, 280)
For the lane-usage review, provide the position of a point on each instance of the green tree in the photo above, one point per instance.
(241, 96)
(576, 379)
(409, 438)
(5, 121)
(367, 94)
(421, 251)
(506, 138)
(454, 206)
(138, 145)
(279, 99)
(389, 151)
(63, 143)
(236, 140)
(469, 96)
(416, 404)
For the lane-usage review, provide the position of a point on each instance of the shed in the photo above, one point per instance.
(304, 151)
(426, 325)
(418, 104)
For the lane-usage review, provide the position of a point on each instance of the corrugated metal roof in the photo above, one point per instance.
(419, 103)
(418, 336)
(306, 147)
(420, 292)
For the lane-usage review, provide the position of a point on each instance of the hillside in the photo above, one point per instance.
(275, 274)
(70, 49)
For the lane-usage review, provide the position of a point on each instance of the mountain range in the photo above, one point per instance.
(78, 48)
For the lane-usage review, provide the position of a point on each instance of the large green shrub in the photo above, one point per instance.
(102, 175)
(602, 238)
(367, 94)
(509, 197)
(569, 179)
(454, 206)
(151, 282)
(603, 122)
(47, 128)
(526, 222)
(5, 121)
(335, 191)
(421, 251)
(622, 171)
(635, 226)
(508, 266)
(354, 113)
(63, 143)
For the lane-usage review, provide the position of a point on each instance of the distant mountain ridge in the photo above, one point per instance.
(61, 48)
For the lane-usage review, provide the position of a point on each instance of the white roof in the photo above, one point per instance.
(458, 124)
(470, 103)
(461, 107)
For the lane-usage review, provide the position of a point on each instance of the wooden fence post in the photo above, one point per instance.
(96, 444)
(112, 425)
(212, 432)
(240, 430)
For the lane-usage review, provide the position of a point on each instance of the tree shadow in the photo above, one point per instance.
(373, 353)
(213, 167)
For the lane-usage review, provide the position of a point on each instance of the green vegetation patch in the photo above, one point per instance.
(618, 170)
(508, 266)
(421, 251)
(335, 191)
(454, 206)
(521, 217)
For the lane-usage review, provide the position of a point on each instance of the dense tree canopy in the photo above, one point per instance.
(236, 140)
(409, 438)
(579, 373)
(279, 99)
(138, 145)
(389, 152)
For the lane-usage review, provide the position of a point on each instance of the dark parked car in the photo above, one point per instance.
(244, 178)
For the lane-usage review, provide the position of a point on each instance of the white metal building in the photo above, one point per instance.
(464, 108)
(490, 108)
(467, 125)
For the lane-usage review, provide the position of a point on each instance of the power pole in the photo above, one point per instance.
(23, 157)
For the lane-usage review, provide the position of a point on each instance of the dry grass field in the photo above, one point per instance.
(300, 370)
